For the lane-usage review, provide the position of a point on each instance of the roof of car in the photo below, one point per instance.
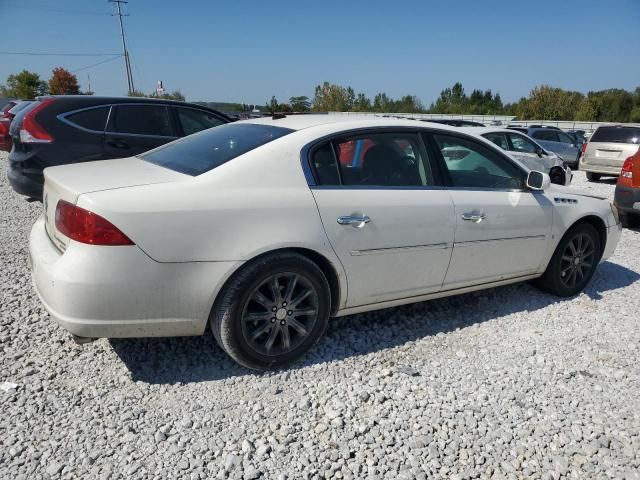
(300, 122)
(483, 130)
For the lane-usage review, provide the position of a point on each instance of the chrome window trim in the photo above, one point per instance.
(307, 169)
(63, 118)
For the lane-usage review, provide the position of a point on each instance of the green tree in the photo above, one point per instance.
(136, 93)
(331, 98)
(300, 104)
(362, 103)
(25, 85)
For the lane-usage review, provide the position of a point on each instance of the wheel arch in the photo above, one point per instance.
(336, 288)
(600, 226)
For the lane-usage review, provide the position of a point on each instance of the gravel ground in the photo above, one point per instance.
(504, 383)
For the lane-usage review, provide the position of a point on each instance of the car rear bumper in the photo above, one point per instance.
(613, 170)
(97, 291)
(627, 199)
(28, 184)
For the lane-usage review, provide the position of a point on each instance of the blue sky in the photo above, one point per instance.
(247, 51)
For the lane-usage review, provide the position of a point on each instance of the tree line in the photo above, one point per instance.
(28, 85)
(543, 103)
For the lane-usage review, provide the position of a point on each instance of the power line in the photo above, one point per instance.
(125, 53)
(96, 64)
(55, 10)
(62, 54)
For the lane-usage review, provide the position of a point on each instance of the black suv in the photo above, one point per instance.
(57, 130)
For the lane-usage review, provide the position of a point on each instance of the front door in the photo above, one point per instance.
(502, 229)
(385, 215)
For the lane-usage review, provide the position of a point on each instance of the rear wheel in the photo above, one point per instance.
(272, 311)
(593, 177)
(573, 263)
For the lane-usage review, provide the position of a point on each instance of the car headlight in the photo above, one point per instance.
(614, 211)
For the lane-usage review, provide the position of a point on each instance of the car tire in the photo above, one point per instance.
(565, 276)
(254, 318)
(593, 177)
(630, 220)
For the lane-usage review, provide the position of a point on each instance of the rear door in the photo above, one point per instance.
(385, 213)
(135, 128)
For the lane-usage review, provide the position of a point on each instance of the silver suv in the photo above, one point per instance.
(607, 150)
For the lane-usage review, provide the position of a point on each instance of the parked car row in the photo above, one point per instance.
(7, 114)
(607, 149)
(58, 130)
(262, 229)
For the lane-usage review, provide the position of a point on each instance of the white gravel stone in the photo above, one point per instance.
(511, 383)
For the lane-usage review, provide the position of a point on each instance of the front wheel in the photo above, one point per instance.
(593, 177)
(573, 263)
(272, 311)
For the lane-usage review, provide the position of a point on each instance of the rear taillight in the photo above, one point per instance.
(626, 175)
(86, 227)
(30, 130)
(582, 149)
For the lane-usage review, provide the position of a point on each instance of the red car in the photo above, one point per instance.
(627, 196)
(8, 112)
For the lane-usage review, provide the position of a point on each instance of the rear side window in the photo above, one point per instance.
(546, 135)
(141, 120)
(617, 135)
(92, 119)
(204, 151)
(194, 121)
(383, 159)
(499, 139)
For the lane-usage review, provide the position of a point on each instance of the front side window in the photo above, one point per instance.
(92, 119)
(564, 138)
(141, 120)
(521, 144)
(194, 121)
(546, 135)
(499, 139)
(206, 150)
(471, 165)
(381, 159)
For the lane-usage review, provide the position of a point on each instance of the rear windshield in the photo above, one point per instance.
(204, 151)
(617, 135)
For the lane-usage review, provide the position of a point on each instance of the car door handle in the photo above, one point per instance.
(475, 216)
(357, 221)
(117, 144)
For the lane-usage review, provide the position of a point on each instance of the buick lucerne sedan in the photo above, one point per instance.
(262, 230)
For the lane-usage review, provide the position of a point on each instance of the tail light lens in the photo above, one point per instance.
(582, 149)
(30, 130)
(86, 227)
(626, 175)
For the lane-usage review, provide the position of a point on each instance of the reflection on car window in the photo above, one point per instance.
(499, 139)
(522, 144)
(141, 120)
(194, 121)
(325, 166)
(472, 165)
(206, 150)
(564, 138)
(386, 159)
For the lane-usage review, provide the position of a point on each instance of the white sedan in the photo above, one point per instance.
(263, 229)
(525, 149)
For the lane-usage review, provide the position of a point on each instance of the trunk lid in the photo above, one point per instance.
(68, 182)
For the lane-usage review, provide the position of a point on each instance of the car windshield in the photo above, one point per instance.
(617, 135)
(204, 151)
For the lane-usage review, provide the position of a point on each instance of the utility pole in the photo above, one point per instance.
(125, 53)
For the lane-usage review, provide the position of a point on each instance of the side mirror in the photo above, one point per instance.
(538, 180)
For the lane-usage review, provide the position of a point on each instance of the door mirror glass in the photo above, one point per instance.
(538, 180)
